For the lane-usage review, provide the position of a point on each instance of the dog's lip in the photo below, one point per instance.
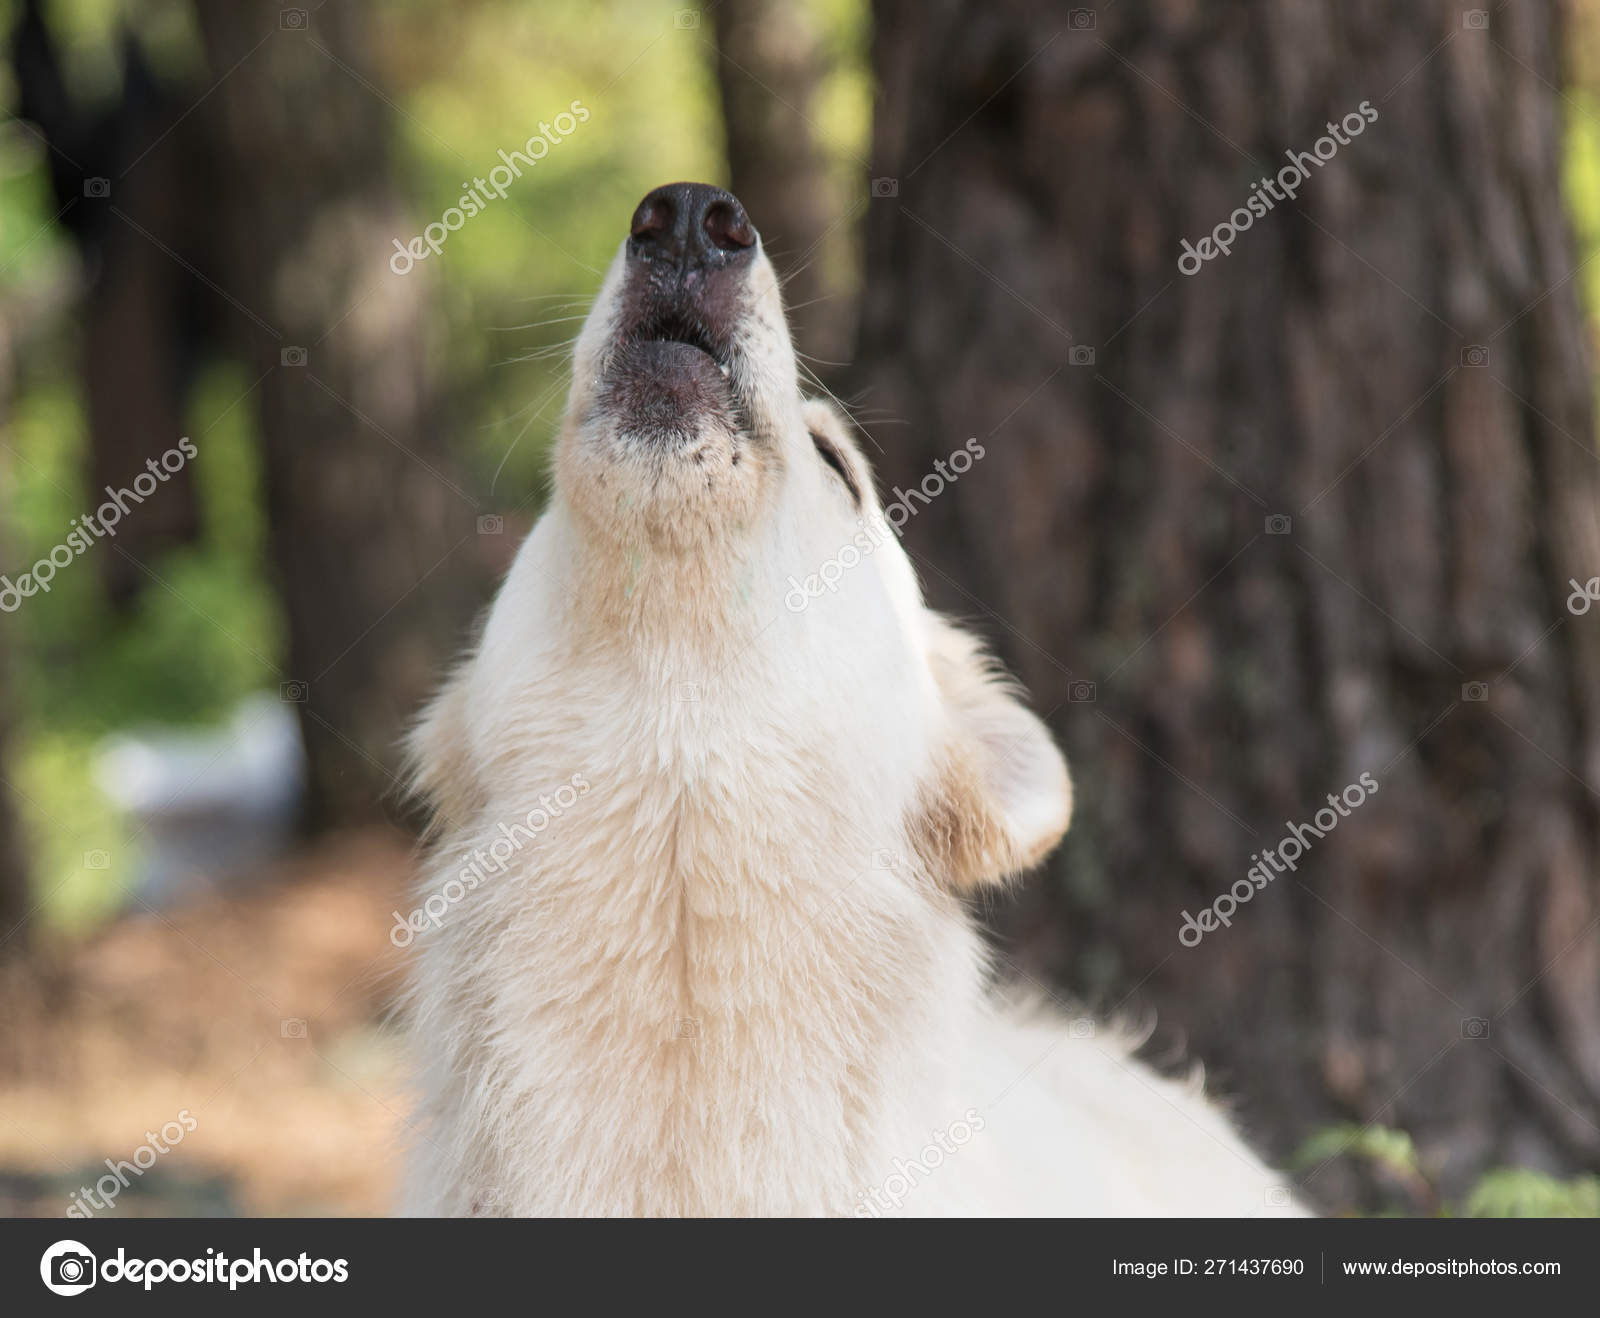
(665, 387)
(682, 329)
(676, 351)
(723, 367)
(676, 329)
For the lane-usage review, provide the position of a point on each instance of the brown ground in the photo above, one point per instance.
(105, 1039)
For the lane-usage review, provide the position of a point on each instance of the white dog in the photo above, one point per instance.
(708, 797)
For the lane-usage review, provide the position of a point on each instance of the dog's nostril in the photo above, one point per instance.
(727, 226)
(653, 218)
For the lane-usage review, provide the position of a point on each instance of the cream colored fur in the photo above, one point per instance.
(737, 974)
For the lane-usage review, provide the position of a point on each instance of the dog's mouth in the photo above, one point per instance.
(668, 378)
(680, 326)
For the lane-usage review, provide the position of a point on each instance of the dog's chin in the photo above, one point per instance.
(661, 453)
(664, 395)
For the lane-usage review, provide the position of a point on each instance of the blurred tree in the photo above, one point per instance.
(769, 67)
(15, 899)
(147, 323)
(1251, 531)
(371, 528)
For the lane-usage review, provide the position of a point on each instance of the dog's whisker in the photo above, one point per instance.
(812, 301)
(540, 354)
(534, 324)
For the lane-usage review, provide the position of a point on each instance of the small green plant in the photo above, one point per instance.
(1504, 1192)
(1517, 1192)
(1390, 1151)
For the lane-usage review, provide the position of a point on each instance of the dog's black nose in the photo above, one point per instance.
(691, 226)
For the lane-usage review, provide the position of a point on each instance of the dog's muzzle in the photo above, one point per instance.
(689, 252)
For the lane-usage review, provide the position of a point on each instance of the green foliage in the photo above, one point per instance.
(1379, 1145)
(1515, 1192)
(84, 855)
(1505, 1192)
(203, 634)
(1582, 180)
(200, 636)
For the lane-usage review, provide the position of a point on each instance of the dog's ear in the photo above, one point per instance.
(998, 798)
(830, 436)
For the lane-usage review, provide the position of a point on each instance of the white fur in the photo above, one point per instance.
(737, 974)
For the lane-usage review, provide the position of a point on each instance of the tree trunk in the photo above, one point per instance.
(1251, 532)
(15, 896)
(372, 531)
(769, 67)
(135, 194)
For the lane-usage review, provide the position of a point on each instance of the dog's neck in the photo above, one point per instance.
(730, 965)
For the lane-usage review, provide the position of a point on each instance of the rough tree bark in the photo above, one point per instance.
(1395, 362)
(371, 527)
(769, 65)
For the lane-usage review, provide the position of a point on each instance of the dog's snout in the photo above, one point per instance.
(690, 226)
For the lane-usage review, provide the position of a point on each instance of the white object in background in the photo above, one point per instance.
(209, 802)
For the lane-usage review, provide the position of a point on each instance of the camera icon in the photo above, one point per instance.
(292, 356)
(1475, 19)
(686, 19)
(1082, 1028)
(1080, 354)
(1081, 693)
(292, 20)
(97, 860)
(1276, 1197)
(885, 187)
(293, 1028)
(1475, 354)
(1475, 1027)
(1279, 524)
(491, 1201)
(686, 693)
(491, 524)
(688, 1028)
(97, 187)
(1081, 20)
(68, 1268)
(884, 859)
(1475, 691)
(294, 693)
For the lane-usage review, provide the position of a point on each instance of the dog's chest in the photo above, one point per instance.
(713, 956)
